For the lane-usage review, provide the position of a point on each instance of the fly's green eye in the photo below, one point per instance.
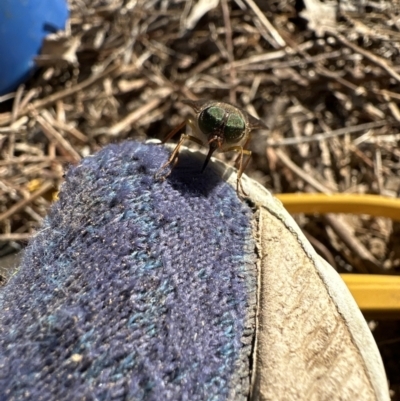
(235, 128)
(211, 119)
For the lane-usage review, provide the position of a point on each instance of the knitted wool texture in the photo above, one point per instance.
(134, 289)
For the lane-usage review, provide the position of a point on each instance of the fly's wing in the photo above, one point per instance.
(196, 105)
(255, 123)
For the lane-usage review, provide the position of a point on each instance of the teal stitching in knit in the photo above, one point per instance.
(145, 281)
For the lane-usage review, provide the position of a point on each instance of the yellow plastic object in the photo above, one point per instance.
(374, 205)
(34, 185)
(376, 295)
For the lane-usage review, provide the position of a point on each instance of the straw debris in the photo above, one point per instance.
(324, 76)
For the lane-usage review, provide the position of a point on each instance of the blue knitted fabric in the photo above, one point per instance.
(134, 289)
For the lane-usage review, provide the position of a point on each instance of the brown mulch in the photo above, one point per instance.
(324, 77)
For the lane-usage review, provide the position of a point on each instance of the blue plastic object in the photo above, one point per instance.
(23, 26)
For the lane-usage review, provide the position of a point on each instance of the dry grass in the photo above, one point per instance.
(324, 78)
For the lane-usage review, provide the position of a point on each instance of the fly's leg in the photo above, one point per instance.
(173, 159)
(242, 167)
(174, 131)
(178, 128)
(242, 164)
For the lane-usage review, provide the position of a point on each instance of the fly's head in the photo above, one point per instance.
(223, 125)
